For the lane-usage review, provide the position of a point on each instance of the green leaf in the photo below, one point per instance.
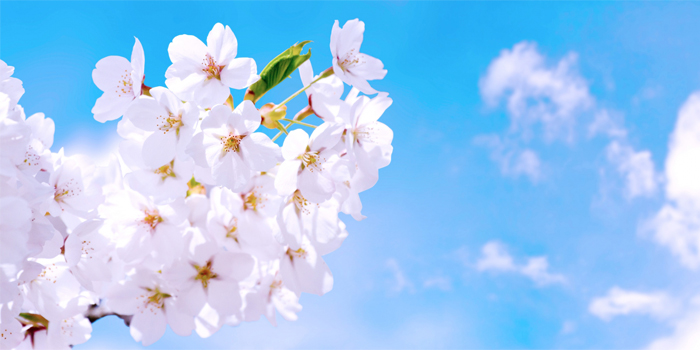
(280, 68)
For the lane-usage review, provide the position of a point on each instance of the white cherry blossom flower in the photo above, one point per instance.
(204, 73)
(305, 165)
(353, 67)
(231, 147)
(152, 302)
(170, 123)
(120, 80)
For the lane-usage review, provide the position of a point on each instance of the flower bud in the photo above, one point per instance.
(271, 114)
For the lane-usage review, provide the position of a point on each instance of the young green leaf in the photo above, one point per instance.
(280, 68)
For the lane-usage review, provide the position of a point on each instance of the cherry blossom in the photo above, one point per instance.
(353, 67)
(204, 73)
(121, 81)
(197, 219)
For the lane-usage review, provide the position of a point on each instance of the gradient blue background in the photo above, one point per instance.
(442, 197)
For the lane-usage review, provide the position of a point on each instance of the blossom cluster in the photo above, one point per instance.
(199, 219)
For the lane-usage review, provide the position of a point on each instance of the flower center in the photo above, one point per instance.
(231, 142)
(299, 254)
(124, 85)
(152, 218)
(165, 124)
(349, 60)
(231, 230)
(211, 69)
(157, 298)
(166, 170)
(311, 160)
(300, 202)
(66, 190)
(204, 273)
(252, 200)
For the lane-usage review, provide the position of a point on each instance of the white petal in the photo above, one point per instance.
(211, 92)
(327, 135)
(189, 49)
(148, 325)
(295, 144)
(260, 152)
(240, 73)
(315, 187)
(138, 63)
(374, 109)
(145, 113)
(159, 148)
(286, 179)
(110, 71)
(222, 44)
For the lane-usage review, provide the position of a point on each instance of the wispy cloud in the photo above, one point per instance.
(495, 257)
(399, 281)
(677, 224)
(535, 91)
(624, 302)
(685, 335)
(438, 282)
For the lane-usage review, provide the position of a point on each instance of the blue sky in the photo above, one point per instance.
(414, 274)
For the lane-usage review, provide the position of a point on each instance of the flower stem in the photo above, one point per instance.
(327, 73)
(298, 122)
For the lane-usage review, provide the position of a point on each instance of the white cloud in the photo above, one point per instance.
(512, 160)
(685, 335)
(536, 270)
(399, 282)
(677, 224)
(636, 167)
(439, 282)
(607, 123)
(623, 302)
(535, 91)
(495, 257)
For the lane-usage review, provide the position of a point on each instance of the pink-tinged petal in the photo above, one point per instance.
(110, 107)
(339, 72)
(295, 144)
(374, 109)
(167, 99)
(218, 116)
(335, 35)
(222, 44)
(286, 178)
(195, 149)
(326, 136)
(147, 326)
(370, 69)
(183, 80)
(211, 92)
(260, 152)
(110, 71)
(351, 37)
(138, 64)
(374, 133)
(360, 83)
(179, 321)
(240, 73)
(327, 108)
(250, 117)
(189, 49)
(234, 266)
(232, 172)
(159, 148)
(315, 187)
(306, 73)
(224, 297)
(145, 113)
(42, 128)
(192, 299)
